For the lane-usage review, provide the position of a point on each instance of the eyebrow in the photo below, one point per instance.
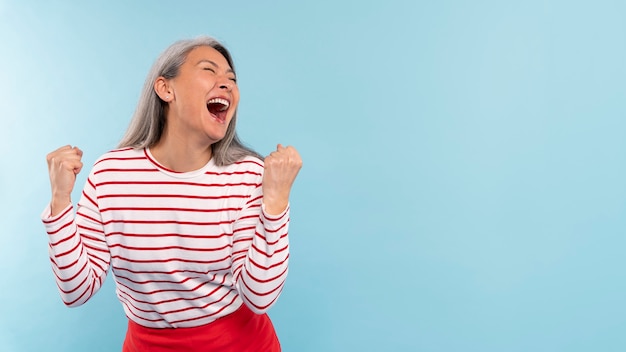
(230, 70)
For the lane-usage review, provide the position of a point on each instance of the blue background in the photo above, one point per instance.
(464, 178)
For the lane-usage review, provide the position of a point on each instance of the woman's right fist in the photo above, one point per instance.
(63, 166)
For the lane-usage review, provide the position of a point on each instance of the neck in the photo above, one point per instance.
(181, 155)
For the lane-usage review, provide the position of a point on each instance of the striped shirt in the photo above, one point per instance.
(184, 248)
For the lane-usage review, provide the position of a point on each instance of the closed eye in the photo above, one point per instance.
(208, 69)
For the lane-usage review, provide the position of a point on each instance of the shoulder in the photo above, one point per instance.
(247, 169)
(248, 163)
(119, 156)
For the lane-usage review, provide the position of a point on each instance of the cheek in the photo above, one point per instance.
(236, 98)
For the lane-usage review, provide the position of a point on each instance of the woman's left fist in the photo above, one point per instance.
(281, 168)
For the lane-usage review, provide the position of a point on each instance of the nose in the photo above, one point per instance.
(226, 83)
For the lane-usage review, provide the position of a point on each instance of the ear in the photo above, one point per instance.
(163, 90)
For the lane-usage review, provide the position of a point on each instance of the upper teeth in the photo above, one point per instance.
(224, 102)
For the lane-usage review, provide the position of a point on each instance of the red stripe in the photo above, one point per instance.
(242, 239)
(278, 229)
(260, 294)
(241, 251)
(155, 272)
(89, 199)
(176, 183)
(169, 209)
(126, 303)
(54, 219)
(121, 149)
(54, 244)
(272, 218)
(239, 257)
(60, 228)
(256, 199)
(93, 262)
(98, 231)
(157, 235)
(169, 260)
(95, 249)
(160, 222)
(197, 307)
(154, 281)
(79, 298)
(172, 196)
(267, 267)
(75, 276)
(122, 159)
(125, 170)
(247, 172)
(267, 255)
(253, 216)
(61, 268)
(268, 242)
(170, 248)
(244, 229)
(261, 308)
(81, 214)
(62, 254)
(270, 279)
(207, 315)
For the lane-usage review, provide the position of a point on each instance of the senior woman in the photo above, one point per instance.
(193, 224)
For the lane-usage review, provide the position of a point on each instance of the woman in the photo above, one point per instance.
(193, 224)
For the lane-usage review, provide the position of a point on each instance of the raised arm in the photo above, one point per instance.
(78, 252)
(261, 242)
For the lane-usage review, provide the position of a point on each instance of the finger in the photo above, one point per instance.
(72, 154)
(64, 151)
(57, 151)
(63, 148)
(77, 169)
(279, 147)
(69, 164)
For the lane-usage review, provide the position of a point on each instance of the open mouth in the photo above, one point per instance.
(218, 108)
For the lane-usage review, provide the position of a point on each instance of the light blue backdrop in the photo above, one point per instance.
(464, 179)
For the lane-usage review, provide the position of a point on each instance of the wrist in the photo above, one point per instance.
(58, 203)
(274, 206)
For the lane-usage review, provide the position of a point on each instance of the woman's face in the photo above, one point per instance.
(204, 97)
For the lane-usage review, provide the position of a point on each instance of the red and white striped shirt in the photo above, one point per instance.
(185, 248)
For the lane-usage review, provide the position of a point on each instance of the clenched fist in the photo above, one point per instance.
(63, 166)
(281, 169)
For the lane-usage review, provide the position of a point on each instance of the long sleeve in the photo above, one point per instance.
(260, 254)
(78, 251)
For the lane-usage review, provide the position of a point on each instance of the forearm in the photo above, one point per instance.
(261, 274)
(58, 203)
(78, 273)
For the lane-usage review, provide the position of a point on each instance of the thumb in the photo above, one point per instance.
(279, 147)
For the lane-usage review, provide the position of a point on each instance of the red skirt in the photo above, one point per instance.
(240, 331)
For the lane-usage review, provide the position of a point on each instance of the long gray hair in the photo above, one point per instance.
(148, 122)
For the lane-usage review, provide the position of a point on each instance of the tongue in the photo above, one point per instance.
(215, 108)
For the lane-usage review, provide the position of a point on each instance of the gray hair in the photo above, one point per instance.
(148, 122)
